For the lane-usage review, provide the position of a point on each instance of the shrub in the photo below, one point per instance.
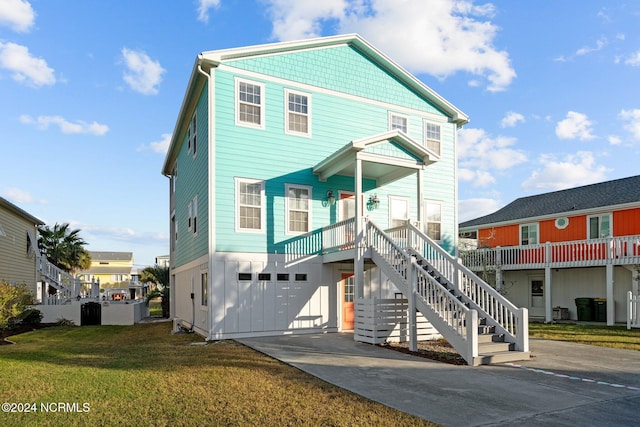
(31, 316)
(14, 300)
(65, 322)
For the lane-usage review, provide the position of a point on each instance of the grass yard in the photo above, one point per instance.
(141, 375)
(605, 336)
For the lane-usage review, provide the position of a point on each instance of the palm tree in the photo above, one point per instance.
(64, 248)
(160, 277)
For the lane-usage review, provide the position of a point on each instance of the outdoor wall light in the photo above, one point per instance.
(331, 199)
(373, 202)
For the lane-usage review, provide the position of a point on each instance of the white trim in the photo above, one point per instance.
(425, 216)
(426, 140)
(393, 198)
(287, 92)
(599, 216)
(391, 115)
(287, 228)
(263, 103)
(262, 228)
(240, 73)
(528, 224)
(194, 220)
(561, 226)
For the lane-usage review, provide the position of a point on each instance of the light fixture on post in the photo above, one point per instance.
(373, 202)
(331, 199)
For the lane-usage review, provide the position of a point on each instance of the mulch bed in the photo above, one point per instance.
(439, 350)
(20, 329)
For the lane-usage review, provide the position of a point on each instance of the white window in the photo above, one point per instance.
(191, 135)
(298, 116)
(432, 136)
(190, 209)
(195, 215)
(529, 234)
(398, 211)
(174, 228)
(249, 104)
(433, 219)
(249, 205)
(204, 289)
(599, 226)
(174, 178)
(298, 210)
(396, 121)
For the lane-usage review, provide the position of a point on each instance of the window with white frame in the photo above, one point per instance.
(204, 288)
(249, 205)
(433, 136)
(298, 210)
(433, 219)
(191, 135)
(174, 178)
(397, 121)
(398, 211)
(599, 226)
(298, 117)
(195, 215)
(249, 103)
(529, 234)
(174, 228)
(190, 215)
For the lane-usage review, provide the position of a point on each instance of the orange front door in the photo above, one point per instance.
(347, 286)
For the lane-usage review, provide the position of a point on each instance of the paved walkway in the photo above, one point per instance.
(563, 384)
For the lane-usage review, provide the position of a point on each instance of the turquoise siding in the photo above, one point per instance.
(278, 158)
(192, 181)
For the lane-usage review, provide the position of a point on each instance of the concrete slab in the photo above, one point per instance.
(563, 384)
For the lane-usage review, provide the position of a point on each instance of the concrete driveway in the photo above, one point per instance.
(563, 384)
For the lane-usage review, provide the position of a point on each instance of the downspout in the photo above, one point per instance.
(212, 191)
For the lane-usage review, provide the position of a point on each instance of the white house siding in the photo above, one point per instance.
(569, 284)
(187, 280)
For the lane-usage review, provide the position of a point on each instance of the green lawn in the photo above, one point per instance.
(141, 375)
(602, 335)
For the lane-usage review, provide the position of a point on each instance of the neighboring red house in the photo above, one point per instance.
(545, 251)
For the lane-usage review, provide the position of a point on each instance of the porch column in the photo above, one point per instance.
(611, 315)
(548, 309)
(635, 279)
(358, 261)
(420, 195)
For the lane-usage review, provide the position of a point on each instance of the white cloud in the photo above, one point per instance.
(459, 35)
(120, 234)
(20, 196)
(476, 207)
(478, 178)
(632, 119)
(571, 171)
(511, 119)
(143, 74)
(158, 146)
(614, 140)
(26, 68)
(17, 15)
(633, 59)
(65, 126)
(484, 154)
(588, 49)
(575, 126)
(203, 9)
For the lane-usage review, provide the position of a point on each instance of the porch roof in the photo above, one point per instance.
(386, 157)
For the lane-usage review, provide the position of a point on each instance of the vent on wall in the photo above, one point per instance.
(562, 223)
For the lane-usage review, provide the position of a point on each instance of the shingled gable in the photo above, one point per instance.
(610, 193)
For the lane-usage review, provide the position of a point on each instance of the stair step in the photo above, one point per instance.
(502, 357)
(494, 347)
(489, 338)
(486, 329)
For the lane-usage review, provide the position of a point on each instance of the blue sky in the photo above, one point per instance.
(90, 91)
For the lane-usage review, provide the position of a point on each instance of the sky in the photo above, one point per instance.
(90, 91)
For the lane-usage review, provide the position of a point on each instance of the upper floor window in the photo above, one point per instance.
(191, 135)
(174, 178)
(599, 226)
(249, 103)
(298, 211)
(298, 107)
(529, 234)
(396, 121)
(432, 136)
(433, 219)
(249, 205)
(195, 215)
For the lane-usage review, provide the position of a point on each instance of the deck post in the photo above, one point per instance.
(611, 315)
(358, 262)
(413, 328)
(548, 310)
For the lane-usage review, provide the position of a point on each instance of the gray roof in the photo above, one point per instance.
(111, 256)
(18, 211)
(609, 193)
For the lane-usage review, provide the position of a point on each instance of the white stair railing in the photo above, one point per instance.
(68, 286)
(494, 307)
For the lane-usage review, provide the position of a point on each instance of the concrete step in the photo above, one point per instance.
(502, 357)
(494, 347)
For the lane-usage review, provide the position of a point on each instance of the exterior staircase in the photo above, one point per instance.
(482, 325)
(67, 286)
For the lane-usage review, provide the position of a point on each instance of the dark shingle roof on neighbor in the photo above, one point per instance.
(609, 193)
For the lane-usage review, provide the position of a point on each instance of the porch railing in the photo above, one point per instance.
(339, 236)
(633, 310)
(67, 286)
(622, 250)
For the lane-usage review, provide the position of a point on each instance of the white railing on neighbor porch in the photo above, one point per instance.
(623, 250)
(633, 310)
(67, 286)
(500, 312)
(339, 236)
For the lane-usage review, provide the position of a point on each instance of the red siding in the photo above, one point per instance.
(508, 235)
(576, 230)
(626, 222)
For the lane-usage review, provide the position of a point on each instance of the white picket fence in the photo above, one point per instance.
(633, 312)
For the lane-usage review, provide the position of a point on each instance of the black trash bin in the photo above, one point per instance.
(600, 309)
(585, 309)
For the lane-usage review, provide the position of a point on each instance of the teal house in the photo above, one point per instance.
(313, 189)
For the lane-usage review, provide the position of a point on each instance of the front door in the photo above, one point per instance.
(347, 297)
(536, 289)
